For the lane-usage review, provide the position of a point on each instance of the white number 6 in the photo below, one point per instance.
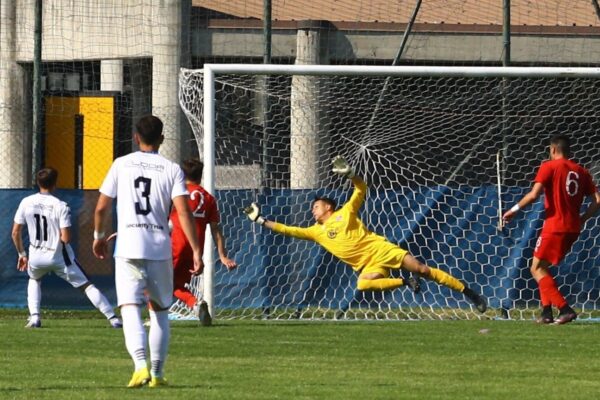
(572, 178)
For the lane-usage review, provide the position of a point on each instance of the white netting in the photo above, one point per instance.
(427, 148)
(179, 310)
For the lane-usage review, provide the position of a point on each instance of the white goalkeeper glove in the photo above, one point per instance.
(341, 166)
(253, 212)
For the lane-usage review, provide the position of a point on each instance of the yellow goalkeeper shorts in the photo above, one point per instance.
(382, 262)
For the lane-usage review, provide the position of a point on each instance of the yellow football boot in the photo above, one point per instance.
(156, 382)
(139, 378)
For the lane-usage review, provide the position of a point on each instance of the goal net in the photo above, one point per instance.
(442, 151)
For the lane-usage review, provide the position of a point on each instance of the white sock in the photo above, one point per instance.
(34, 298)
(135, 334)
(159, 341)
(99, 301)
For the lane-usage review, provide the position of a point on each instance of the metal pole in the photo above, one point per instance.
(408, 70)
(396, 61)
(596, 7)
(36, 142)
(267, 34)
(502, 155)
(267, 31)
(499, 186)
(407, 32)
(506, 33)
(505, 81)
(208, 181)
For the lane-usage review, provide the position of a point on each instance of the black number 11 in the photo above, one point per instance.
(39, 229)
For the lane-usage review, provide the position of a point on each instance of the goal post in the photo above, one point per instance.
(429, 157)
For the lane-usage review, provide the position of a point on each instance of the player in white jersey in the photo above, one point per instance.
(144, 184)
(48, 221)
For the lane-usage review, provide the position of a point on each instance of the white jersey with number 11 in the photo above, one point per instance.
(44, 216)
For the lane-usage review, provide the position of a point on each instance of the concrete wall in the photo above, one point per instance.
(15, 138)
(438, 47)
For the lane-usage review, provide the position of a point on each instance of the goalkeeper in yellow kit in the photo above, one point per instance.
(344, 235)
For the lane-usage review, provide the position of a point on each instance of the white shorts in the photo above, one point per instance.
(138, 281)
(71, 273)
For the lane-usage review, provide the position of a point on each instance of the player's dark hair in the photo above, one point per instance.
(562, 143)
(192, 169)
(326, 200)
(46, 178)
(149, 129)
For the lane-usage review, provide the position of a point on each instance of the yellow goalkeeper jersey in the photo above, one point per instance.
(346, 237)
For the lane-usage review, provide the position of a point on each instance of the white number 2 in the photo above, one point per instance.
(198, 212)
(572, 184)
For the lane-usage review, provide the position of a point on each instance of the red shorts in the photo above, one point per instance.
(553, 247)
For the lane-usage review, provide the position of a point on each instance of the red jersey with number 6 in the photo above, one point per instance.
(204, 209)
(566, 184)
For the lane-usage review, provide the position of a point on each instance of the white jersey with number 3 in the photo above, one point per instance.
(44, 216)
(144, 184)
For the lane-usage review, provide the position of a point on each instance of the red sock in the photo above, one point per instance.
(552, 294)
(545, 285)
(186, 296)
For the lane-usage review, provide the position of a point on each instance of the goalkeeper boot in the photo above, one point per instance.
(566, 315)
(546, 316)
(476, 299)
(156, 382)
(201, 312)
(414, 284)
(139, 378)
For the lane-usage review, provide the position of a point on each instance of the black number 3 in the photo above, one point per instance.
(145, 194)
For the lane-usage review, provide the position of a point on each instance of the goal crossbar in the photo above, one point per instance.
(436, 71)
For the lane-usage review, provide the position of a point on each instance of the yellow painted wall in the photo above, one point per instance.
(98, 138)
(60, 137)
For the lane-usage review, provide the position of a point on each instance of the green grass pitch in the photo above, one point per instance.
(77, 356)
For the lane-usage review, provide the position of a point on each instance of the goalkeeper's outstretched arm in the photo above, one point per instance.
(253, 213)
(341, 166)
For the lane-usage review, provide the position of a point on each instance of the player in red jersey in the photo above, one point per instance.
(205, 212)
(565, 185)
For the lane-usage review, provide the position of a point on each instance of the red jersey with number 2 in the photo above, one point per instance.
(566, 184)
(204, 210)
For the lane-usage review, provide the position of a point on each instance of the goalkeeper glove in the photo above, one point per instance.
(253, 212)
(340, 166)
